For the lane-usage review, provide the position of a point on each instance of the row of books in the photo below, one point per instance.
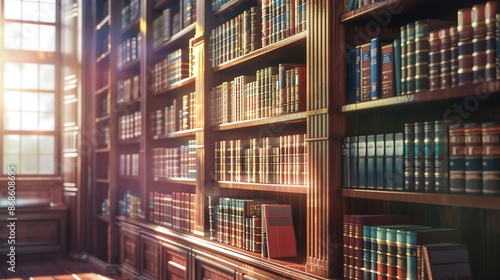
(429, 55)
(428, 157)
(176, 210)
(130, 205)
(128, 89)
(171, 163)
(235, 37)
(268, 160)
(255, 225)
(272, 91)
(129, 126)
(282, 19)
(130, 13)
(128, 164)
(105, 103)
(129, 50)
(173, 20)
(385, 247)
(172, 118)
(170, 70)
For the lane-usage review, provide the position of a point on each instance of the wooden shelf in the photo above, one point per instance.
(177, 86)
(102, 181)
(133, 26)
(129, 66)
(267, 51)
(286, 118)
(104, 218)
(129, 178)
(185, 181)
(367, 11)
(475, 201)
(131, 103)
(129, 141)
(102, 23)
(178, 134)
(263, 187)
(227, 7)
(103, 57)
(102, 90)
(101, 119)
(427, 96)
(162, 4)
(102, 150)
(176, 39)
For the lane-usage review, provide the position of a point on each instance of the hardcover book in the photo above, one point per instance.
(387, 60)
(441, 156)
(277, 223)
(473, 158)
(489, 20)
(389, 162)
(457, 158)
(446, 261)
(465, 47)
(491, 158)
(380, 161)
(409, 156)
(365, 72)
(398, 161)
(370, 162)
(362, 162)
(478, 43)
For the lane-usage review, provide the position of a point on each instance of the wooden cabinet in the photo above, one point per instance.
(149, 257)
(129, 248)
(175, 262)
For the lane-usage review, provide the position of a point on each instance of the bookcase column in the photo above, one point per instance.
(320, 245)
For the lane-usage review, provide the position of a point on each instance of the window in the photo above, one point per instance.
(29, 86)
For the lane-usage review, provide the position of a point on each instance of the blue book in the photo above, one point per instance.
(353, 162)
(398, 161)
(370, 162)
(397, 65)
(362, 162)
(375, 65)
(351, 65)
(380, 161)
(389, 161)
(346, 162)
(357, 73)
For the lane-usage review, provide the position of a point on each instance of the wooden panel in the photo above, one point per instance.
(129, 249)
(149, 257)
(206, 269)
(174, 262)
(492, 254)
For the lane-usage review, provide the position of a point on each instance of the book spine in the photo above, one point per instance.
(421, 56)
(478, 43)
(351, 68)
(354, 161)
(441, 156)
(375, 69)
(381, 253)
(345, 162)
(380, 161)
(367, 240)
(409, 150)
(457, 159)
(397, 66)
(411, 255)
(357, 74)
(392, 254)
(362, 162)
(473, 159)
(365, 72)
(465, 48)
(434, 60)
(399, 161)
(403, 60)
(401, 258)
(370, 162)
(445, 63)
(410, 58)
(489, 20)
(419, 165)
(491, 158)
(373, 253)
(429, 156)
(497, 47)
(389, 161)
(387, 60)
(454, 38)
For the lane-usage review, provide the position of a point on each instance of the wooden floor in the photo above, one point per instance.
(60, 269)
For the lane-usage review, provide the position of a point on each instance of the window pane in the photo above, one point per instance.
(30, 11)
(12, 9)
(12, 75)
(47, 122)
(12, 121)
(29, 102)
(30, 37)
(47, 145)
(29, 164)
(47, 76)
(9, 160)
(29, 144)
(47, 102)
(11, 144)
(12, 38)
(47, 13)
(12, 101)
(30, 76)
(29, 121)
(46, 165)
(47, 38)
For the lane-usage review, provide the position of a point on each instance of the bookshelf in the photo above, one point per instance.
(474, 215)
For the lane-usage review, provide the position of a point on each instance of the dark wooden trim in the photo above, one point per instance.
(176, 39)
(176, 87)
(228, 6)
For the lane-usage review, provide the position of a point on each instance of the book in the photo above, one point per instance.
(478, 42)
(434, 60)
(397, 66)
(351, 69)
(365, 72)
(409, 156)
(445, 58)
(357, 74)
(279, 230)
(446, 261)
(387, 72)
(419, 165)
(353, 161)
(379, 162)
(473, 158)
(429, 156)
(454, 38)
(346, 162)
(370, 162)
(398, 161)
(441, 157)
(389, 162)
(362, 176)
(491, 158)
(376, 75)
(465, 46)
(410, 58)
(404, 62)
(456, 147)
(490, 11)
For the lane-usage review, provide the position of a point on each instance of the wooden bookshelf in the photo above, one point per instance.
(178, 134)
(263, 187)
(102, 90)
(285, 119)
(102, 119)
(367, 11)
(176, 39)
(450, 93)
(132, 27)
(184, 181)
(177, 87)
(461, 200)
(103, 57)
(104, 218)
(130, 66)
(103, 22)
(273, 52)
(227, 7)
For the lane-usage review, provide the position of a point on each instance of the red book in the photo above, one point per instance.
(277, 224)
(478, 42)
(387, 58)
(465, 34)
(490, 40)
(365, 72)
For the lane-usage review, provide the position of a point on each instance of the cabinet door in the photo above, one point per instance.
(174, 262)
(128, 248)
(149, 257)
(210, 270)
